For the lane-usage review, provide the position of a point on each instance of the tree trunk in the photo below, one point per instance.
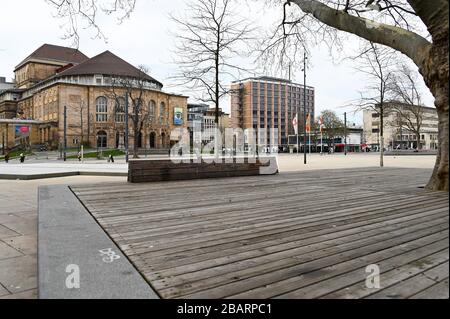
(419, 147)
(135, 140)
(381, 151)
(435, 72)
(439, 178)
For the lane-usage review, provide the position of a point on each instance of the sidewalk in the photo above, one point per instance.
(18, 232)
(60, 169)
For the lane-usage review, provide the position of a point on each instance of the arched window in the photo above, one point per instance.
(102, 139)
(151, 110)
(120, 110)
(101, 109)
(162, 113)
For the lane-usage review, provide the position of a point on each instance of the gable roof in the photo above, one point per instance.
(107, 63)
(56, 53)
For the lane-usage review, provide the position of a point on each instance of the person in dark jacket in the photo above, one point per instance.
(7, 157)
(22, 157)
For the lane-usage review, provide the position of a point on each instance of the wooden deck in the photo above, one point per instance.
(294, 235)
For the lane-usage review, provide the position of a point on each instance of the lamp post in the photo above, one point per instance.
(345, 133)
(65, 133)
(304, 107)
(126, 128)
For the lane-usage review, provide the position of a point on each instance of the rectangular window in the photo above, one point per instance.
(98, 79)
(102, 117)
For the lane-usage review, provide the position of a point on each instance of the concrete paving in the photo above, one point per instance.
(69, 236)
(294, 162)
(28, 171)
(18, 233)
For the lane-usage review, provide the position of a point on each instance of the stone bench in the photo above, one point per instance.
(156, 170)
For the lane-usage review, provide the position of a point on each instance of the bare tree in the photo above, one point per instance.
(377, 62)
(418, 29)
(409, 110)
(84, 14)
(333, 126)
(209, 38)
(133, 89)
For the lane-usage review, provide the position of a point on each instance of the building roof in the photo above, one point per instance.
(399, 103)
(55, 53)
(107, 63)
(271, 79)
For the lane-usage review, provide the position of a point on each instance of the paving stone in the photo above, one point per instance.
(6, 232)
(7, 251)
(23, 227)
(4, 218)
(19, 274)
(25, 244)
(29, 294)
(27, 215)
(3, 292)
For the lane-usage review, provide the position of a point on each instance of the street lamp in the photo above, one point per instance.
(126, 127)
(304, 106)
(345, 133)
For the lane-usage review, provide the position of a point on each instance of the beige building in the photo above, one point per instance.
(94, 95)
(398, 135)
(209, 124)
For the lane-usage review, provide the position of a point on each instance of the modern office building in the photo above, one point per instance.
(397, 135)
(93, 92)
(202, 117)
(268, 102)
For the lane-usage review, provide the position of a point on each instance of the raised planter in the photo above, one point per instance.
(156, 170)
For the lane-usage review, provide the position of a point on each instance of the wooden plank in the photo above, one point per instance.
(393, 270)
(338, 274)
(301, 234)
(167, 268)
(400, 272)
(437, 291)
(232, 282)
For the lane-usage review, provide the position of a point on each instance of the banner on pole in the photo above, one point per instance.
(308, 123)
(321, 126)
(295, 124)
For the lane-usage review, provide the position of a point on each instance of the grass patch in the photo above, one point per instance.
(16, 154)
(104, 154)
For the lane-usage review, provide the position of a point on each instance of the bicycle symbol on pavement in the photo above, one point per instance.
(108, 255)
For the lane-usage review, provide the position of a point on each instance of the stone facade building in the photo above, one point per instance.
(91, 89)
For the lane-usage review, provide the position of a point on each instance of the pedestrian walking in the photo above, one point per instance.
(22, 157)
(7, 157)
(79, 156)
(110, 158)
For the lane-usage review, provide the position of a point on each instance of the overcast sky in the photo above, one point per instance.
(144, 39)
